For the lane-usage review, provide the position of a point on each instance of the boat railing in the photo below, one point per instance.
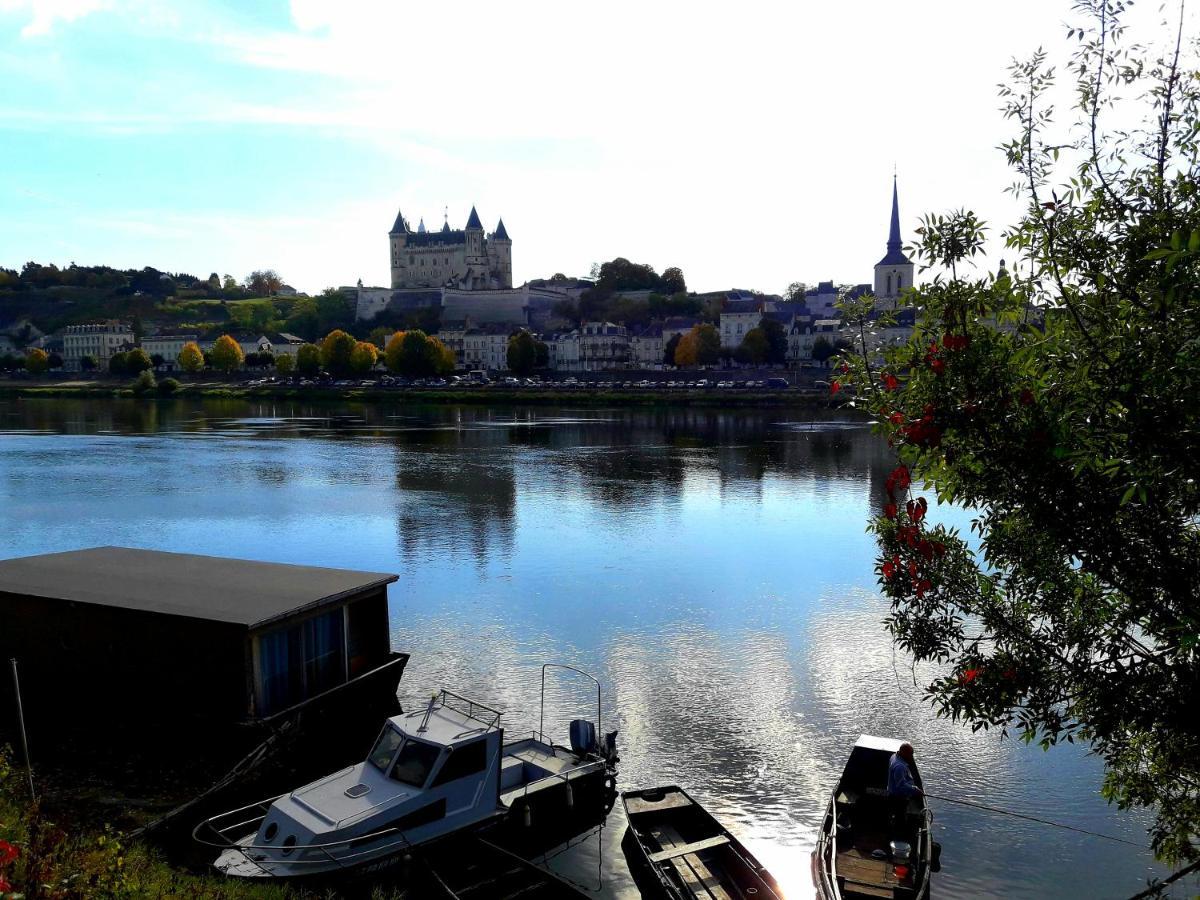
(222, 834)
(479, 712)
(926, 849)
(827, 848)
(564, 775)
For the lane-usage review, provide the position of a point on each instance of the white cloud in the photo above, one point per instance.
(45, 14)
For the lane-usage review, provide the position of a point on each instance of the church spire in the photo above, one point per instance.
(895, 247)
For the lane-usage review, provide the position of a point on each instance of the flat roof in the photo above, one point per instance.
(214, 588)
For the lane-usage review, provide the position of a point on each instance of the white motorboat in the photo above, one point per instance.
(437, 771)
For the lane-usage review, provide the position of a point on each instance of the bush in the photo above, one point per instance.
(144, 383)
(167, 387)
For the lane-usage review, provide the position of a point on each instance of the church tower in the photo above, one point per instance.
(398, 239)
(893, 273)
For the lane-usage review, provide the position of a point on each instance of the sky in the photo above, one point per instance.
(750, 144)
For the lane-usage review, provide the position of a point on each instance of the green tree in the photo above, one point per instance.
(393, 351)
(308, 360)
(54, 361)
(88, 363)
(285, 364)
(137, 360)
(116, 364)
(522, 353)
(1069, 432)
(822, 349)
(754, 347)
(37, 361)
(794, 293)
(541, 355)
(263, 282)
(669, 349)
(336, 349)
(363, 357)
(227, 354)
(672, 281)
(191, 358)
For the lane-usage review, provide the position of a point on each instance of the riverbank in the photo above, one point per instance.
(547, 395)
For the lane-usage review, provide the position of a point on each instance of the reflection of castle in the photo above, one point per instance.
(465, 258)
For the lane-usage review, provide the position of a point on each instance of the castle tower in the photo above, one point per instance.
(893, 273)
(477, 261)
(500, 250)
(397, 240)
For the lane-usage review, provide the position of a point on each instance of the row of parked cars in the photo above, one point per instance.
(570, 383)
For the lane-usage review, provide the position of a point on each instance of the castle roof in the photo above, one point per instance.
(399, 227)
(421, 226)
(443, 238)
(445, 228)
(895, 247)
(473, 221)
(501, 232)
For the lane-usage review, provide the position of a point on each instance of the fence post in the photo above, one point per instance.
(24, 736)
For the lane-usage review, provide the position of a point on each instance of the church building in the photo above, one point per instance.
(462, 259)
(893, 273)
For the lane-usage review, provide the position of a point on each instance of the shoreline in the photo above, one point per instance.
(807, 398)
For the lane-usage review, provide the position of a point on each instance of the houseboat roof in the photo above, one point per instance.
(237, 591)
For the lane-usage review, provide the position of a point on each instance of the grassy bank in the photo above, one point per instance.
(548, 396)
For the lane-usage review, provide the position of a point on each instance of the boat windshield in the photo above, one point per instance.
(385, 748)
(415, 762)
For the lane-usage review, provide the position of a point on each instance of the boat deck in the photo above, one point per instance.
(865, 875)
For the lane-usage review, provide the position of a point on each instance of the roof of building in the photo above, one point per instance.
(237, 591)
(421, 226)
(677, 322)
(501, 232)
(734, 307)
(441, 238)
(473, 221)
(399, 227)
(895, 247)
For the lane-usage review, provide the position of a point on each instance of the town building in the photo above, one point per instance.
(477, 347)
(737, 318)
(466, 258)
(646, 347)
(168, 347)
(101, 341)
(677, 325)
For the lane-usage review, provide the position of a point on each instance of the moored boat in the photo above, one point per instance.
(870, 845)
(680, 851)
(437, 771)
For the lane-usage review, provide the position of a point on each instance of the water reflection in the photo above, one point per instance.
(710, 566)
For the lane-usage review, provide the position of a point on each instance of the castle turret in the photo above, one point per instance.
(397, 239)
(477, 261)
(893, 273)
(500, 251)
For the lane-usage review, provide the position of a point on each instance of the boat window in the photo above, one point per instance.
(464, 760)
(415, 762)
(385, 748)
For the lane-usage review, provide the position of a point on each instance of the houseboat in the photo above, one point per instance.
(150, 649)
(866, 847)
(434, 772)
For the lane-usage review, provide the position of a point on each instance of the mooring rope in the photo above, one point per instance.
(1017, 815)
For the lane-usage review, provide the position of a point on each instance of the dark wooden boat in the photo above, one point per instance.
(678, 850)
(865, 848)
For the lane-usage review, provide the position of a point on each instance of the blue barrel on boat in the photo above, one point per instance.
(583, 736)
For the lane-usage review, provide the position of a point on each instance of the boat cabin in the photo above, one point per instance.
(128, 638)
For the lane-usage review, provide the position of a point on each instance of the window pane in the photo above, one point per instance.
(385, 748)
(415, 762)
(323, 653)
(468, 759)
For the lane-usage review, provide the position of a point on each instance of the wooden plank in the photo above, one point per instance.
(694, 847)
(696, 876)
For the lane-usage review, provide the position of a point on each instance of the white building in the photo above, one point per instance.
(603, 345)
(737, 318)
(168, 346)
(99, 341)
(646, 347)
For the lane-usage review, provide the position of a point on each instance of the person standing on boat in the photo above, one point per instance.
(901, 784)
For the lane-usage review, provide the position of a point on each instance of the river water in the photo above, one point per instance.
(708, 566)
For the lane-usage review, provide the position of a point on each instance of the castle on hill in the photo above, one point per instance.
(462, 259)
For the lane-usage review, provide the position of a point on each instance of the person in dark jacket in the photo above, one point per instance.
(901, 784)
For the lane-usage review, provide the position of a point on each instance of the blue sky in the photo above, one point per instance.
(750, 145)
